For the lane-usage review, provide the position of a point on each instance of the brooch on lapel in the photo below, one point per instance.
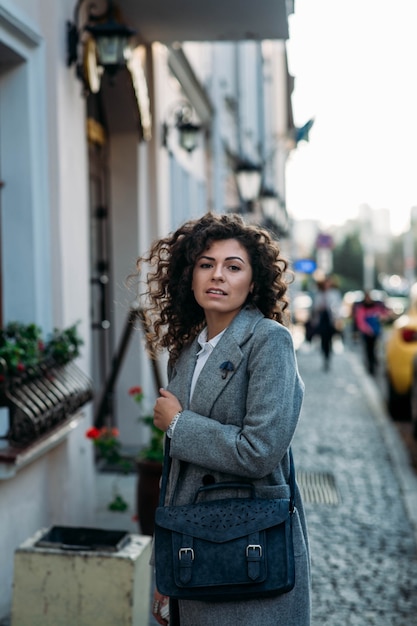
(226, 367)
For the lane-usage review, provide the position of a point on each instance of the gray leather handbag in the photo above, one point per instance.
(224, 548)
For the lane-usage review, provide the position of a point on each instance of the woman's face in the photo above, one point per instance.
(222, 280)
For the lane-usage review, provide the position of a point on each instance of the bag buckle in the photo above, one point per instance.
(184, 551)
(253, 546)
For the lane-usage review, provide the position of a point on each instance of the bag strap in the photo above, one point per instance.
(291, 482)
(165, 471)
(167, 465)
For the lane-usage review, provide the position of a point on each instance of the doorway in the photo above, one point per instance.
(100, 251)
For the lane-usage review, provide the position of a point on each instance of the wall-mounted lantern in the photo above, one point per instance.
(182, 117)
(269, 203)
(248, 180)
(104, 43)
(273, 211)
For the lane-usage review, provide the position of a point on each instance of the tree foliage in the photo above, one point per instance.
(348, 262)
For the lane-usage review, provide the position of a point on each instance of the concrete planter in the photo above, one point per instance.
(81, 585)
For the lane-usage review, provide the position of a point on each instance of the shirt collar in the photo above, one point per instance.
(208, 345)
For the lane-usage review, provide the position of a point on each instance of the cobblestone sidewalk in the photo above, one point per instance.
(360, 496)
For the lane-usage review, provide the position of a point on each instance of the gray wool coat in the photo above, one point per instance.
(241, 426)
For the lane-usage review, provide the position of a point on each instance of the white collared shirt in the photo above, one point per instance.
(207, 348)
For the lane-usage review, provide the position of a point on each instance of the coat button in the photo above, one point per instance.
(207, 480)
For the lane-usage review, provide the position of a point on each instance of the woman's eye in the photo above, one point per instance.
(234, 268)
(205, 265)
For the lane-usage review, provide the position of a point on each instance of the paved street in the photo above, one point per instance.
(361, 497)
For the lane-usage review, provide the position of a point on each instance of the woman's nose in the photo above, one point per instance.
(218, 273)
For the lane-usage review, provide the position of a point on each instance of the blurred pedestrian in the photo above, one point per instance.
(216, 300)
(326, 316)
(369, 316)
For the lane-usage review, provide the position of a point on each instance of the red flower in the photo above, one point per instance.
(93, 433)
(107, 431)
(20, 367)
(135, 391)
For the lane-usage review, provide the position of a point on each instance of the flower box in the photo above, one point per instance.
(40, 385)
(42, 400)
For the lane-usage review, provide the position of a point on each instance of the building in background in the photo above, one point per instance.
(92, 170)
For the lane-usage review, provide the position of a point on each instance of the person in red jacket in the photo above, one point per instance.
(369, 315)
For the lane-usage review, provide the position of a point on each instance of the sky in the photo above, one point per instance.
(355, 68)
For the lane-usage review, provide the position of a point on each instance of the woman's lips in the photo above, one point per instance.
(216, 292)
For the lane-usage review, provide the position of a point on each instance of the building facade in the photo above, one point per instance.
(92, 171)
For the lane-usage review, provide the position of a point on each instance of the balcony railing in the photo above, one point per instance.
(42, 400)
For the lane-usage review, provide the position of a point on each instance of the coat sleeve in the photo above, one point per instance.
(274, 397)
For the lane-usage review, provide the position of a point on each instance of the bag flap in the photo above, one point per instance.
(222, 520)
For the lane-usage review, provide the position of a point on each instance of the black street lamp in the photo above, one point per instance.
(274, 211)
(183, 117)
(248, 180)
(269, 203)
(105, 49)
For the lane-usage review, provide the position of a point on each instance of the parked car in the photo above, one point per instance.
(401, 361)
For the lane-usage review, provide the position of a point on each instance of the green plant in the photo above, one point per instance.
(108, 447)
(155, 450)
(64, 345)
(22, 348)
(106, 441)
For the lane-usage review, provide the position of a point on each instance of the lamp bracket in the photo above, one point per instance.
(74, 30)
(181, 116)
(96, 26)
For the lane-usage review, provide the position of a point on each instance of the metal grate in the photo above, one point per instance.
(318, 487)
(45, 401)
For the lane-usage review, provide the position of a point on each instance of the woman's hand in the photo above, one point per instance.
(160, 608)
(166, 407)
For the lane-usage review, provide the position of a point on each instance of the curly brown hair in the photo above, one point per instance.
(172, 315)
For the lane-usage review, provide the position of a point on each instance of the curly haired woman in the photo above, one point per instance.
(217, 294)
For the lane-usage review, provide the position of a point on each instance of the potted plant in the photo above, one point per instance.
(107, 443)
(148, 465)
(25, 354)
(39, 385)
(149, 468)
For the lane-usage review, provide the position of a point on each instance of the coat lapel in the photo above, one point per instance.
(212, 381)
(214, 376)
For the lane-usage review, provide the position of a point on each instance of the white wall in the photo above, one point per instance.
(45, 248)
(42, 494)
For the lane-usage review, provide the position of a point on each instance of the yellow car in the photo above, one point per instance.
(400, 355)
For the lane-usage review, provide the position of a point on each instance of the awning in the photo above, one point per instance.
(168, 21)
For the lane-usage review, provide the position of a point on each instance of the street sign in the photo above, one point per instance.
(307, 266)
(324, 241)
